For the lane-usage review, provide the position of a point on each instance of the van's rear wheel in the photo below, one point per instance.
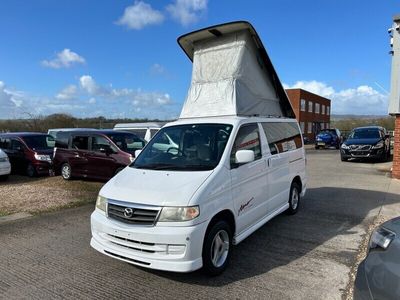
(217, 248)
(66, 171)
(294, 199)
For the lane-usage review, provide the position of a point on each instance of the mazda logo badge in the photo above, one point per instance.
(128, 212)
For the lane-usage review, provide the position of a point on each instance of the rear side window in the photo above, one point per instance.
(282, 136)
(139, 132)
(16, 145)
(247, 138)
(62, 139)
(80, 142)
(5, 143)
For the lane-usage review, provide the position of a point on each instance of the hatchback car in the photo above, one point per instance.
(378, 276)
(328, 138)
(30, 153)
(96, 154)
(5, 166)
(370, 142)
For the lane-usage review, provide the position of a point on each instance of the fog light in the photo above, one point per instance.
(176, 249)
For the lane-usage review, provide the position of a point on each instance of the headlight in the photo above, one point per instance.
(101, 203)
(42, 157)
(344, 146)
(379, 145)
(178, 214)
(381, 237)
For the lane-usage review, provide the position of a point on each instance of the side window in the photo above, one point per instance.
(62, 139)
(80, 142)
(5, 143)
(282, 136)
(99, 143)
(16, 145)
(247, 138)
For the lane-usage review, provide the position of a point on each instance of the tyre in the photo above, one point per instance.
(343, 158)
(217, 248)
(294, 199)
(31, 171)
(316, 147)
(337, 146)
(3, 177)
(66, 171)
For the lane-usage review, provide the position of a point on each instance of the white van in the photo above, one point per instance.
(143, 130)
(5, 166)
(208, 180)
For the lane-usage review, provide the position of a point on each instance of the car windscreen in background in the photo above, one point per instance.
(39, 142)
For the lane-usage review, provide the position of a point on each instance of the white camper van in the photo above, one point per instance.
(231, 167)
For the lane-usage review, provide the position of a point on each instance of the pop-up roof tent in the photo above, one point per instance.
(232, 74)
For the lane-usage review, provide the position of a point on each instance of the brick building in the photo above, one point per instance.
(313, 112)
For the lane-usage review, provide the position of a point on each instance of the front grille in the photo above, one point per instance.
(360, 147)
(131, 214)
(127, 258)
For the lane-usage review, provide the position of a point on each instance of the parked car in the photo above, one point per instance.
(328, 138)
(29, 153)
(5, 166)
(139, 212)
(145, 130)
(96, 154)
(378, 275)
(370, 142)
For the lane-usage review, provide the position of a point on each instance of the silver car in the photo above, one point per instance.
(378, 276)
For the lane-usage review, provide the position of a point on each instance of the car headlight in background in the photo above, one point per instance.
(101, 203)
(178, 214)
(381, 237)
(344, 146)
(379, 145)
(42, 157)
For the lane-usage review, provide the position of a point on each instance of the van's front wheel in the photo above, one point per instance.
(217, 248)
(66, 171)
(294, 199)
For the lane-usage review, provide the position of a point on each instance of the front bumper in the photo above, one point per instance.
(5, 169)
(177, 249)
(372, 153)
(43, 168)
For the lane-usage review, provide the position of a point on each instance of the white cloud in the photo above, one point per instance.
(67, 93)
(11, 102)
(140, 15)
(64, 59)
(363, 99)
(89, 85)
(92, 100)
(157, 69)
(187, 12)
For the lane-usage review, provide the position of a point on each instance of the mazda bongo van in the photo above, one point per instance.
(232, 161)
(184, 207)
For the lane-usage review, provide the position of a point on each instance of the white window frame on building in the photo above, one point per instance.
(328, 110)
(327, 125)
(310, 106)
(309, 127)
(317, 108)
(302, 104)
(323, 109)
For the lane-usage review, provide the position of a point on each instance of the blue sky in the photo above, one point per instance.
(120, 58)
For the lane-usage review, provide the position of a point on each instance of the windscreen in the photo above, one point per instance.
(365, 134)
(127, 142)
(192, 147)
(39, 142)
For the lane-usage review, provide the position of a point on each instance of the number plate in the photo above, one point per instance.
(321, 144)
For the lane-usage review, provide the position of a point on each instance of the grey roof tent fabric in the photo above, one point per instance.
(232, 74)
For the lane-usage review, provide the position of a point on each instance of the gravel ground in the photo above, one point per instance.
(34, 195)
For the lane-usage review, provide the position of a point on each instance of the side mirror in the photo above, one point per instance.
(244, 156)
(137, 152)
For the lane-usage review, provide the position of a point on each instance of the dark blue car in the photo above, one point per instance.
(328, 138)
(371, 142)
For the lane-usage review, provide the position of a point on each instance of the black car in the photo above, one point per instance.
(371, 142)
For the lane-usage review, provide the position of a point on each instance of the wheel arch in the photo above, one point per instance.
(297, 180)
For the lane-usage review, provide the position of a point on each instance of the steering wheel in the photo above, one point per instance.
(177, 149)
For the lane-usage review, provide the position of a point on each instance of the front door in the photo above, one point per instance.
(101, 163)
(249, 180)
